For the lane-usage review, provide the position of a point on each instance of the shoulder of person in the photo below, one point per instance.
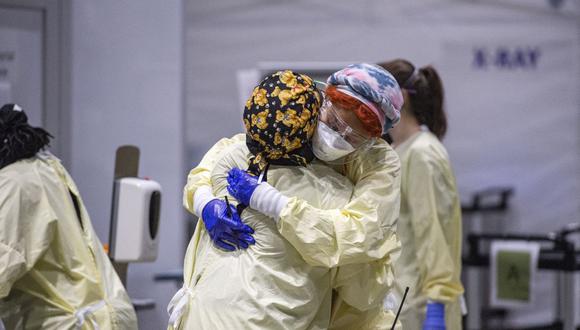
(428, 145)
(20, 176)
(237, 149)
(379, 159)
(430, 152)
(234, 155)
(381, 151)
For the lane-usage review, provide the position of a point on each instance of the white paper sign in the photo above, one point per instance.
(513, 272)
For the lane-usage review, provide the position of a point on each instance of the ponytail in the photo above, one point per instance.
(434, 115)
(426, 94)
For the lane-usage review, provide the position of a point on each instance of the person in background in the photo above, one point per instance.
(430, 223)
(54, 273)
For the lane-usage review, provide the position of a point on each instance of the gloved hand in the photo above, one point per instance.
(435, 318)
(226, 230)
(261, 197)
(241, 185)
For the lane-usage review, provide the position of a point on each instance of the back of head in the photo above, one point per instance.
(19, 140)
(425, 93)
(280, 118)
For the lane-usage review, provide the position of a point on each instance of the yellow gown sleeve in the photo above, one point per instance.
(201, 174)
(430, 194)
(27, 226)
(362, 231)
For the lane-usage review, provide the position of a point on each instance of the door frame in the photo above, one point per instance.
(56, 66)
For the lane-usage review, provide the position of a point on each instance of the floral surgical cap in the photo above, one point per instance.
(280, 118)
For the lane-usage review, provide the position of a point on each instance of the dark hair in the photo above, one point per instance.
(19, 140)
(425, 91)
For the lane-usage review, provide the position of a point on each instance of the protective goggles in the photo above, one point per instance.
(329, 114)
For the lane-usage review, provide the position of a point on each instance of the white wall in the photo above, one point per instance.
(515, 127)
(127, 89)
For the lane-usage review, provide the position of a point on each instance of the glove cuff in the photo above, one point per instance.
(268, 200)
(202, 196)
(435, 308)
(435, 316)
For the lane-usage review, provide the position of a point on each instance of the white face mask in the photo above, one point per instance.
(328, 145)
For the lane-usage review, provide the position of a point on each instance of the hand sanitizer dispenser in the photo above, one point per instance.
(135, 220)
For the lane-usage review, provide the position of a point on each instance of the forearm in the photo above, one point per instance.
(361, 231)
(441, 282)
(331, 238)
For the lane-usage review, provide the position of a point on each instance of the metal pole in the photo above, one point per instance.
(569, 309)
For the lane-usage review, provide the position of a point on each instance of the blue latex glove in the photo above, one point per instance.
(241, 185)
(435, 318)
(226, 230)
